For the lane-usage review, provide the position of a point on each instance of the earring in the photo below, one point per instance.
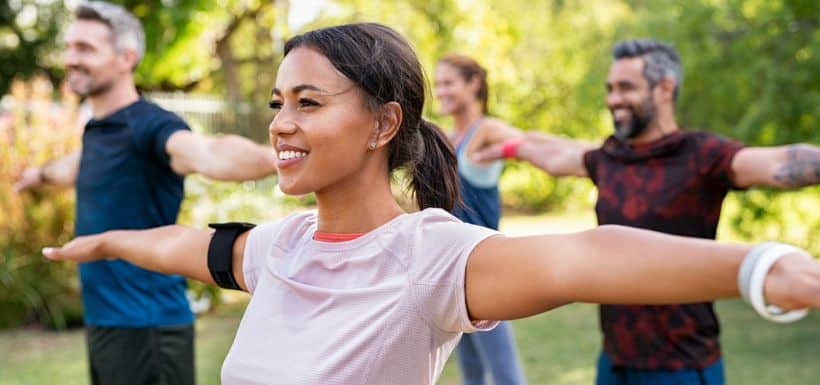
(372, 145)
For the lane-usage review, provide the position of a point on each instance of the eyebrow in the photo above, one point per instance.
(300, 88)
(620, 83)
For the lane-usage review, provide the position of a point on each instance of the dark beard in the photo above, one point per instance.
(99, 89)
(642, 115)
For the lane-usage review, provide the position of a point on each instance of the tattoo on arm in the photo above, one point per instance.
(802, 166)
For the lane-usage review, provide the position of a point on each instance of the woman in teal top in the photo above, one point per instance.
(461, 89)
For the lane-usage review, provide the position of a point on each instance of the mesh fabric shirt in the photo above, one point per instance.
(385, 308)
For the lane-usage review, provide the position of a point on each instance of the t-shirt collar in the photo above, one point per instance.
(121, 116)
(632, 153)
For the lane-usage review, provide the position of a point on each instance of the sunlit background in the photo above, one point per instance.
(750, 73)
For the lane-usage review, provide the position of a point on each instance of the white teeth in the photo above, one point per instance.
(285, 155)
(620, 113)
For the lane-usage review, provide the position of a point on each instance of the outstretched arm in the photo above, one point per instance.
(228, 157)
(791, 166)
(58, 172)
(171, 249)
(555, 155)
(513, 277)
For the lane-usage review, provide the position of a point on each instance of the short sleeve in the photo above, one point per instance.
(716, 154)
(165, 128)
(441, 249)
(257, 248)
(153, 135)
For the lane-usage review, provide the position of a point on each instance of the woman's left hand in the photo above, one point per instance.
(794, 282)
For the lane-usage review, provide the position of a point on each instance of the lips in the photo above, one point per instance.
(76, 70)
(287, 155)
(621, 114)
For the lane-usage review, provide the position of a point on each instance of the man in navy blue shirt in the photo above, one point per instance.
(129, 175)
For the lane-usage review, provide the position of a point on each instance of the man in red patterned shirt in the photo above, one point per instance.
(653, 175)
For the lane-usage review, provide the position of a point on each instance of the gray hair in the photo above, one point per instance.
(661, 60)
(126, 30)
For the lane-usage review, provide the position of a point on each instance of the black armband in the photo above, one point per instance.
(220, 252)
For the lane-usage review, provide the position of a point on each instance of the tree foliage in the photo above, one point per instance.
(750, 73)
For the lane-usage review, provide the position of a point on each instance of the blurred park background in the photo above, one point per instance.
(750, 73)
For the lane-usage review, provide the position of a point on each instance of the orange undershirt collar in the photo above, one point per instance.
(335, 237)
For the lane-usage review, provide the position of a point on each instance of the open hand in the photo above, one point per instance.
(81, 249)
(31, 177)
(794, 282)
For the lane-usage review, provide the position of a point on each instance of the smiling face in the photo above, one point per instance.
(93, 65)
(322, 128)
(453, 92)
(630, 98)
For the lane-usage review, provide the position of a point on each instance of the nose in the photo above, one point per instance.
(613, 99)
(439, 91)
(282, 124)
(70, 58)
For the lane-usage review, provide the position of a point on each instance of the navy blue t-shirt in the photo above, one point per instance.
(125, 182)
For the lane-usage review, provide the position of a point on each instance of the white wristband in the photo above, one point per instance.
(752, 275)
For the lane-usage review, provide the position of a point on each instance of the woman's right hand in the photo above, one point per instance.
(80, 249)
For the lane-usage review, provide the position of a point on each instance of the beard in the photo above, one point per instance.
(90, 86)
(641, 116)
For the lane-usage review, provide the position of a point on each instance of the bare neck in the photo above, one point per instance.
(663, 125)
(357, 204)
(466, 116)
(120, 95)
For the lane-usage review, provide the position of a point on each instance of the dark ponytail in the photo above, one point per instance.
(383, 64)
(435, 173)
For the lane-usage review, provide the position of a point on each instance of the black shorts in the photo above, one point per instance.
(141, 356)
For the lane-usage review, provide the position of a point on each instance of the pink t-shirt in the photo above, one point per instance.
(385, 308)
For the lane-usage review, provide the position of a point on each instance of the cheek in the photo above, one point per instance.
(634, 98)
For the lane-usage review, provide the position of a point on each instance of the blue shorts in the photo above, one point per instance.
(609, 375)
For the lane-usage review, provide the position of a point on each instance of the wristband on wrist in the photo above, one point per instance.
(509, 149)
(752, 276)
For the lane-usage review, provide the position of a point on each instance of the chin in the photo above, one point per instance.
(294, 189)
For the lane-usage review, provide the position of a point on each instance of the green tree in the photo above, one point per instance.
(750, 73)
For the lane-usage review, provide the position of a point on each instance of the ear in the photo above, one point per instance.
(388, 121)
(666, 89)
(128, 59)
(474, 83)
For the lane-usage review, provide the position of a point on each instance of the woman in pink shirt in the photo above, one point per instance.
(360, 292)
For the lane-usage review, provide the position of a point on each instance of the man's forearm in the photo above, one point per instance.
(801, 167)
(237, 158)
(62, 171)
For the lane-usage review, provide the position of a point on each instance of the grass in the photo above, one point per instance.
(559, 347)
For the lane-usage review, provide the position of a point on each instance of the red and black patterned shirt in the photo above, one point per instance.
(674, 185)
